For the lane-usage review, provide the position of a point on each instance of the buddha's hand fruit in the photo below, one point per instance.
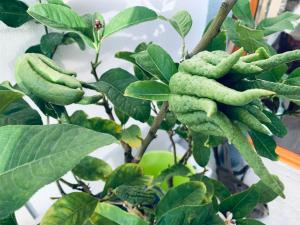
(40, 76)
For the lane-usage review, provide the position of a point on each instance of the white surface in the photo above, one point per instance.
(15, 41)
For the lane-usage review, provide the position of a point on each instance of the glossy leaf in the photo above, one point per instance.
(34, 49)
(71, 209)
(175, 170)
(13, 13)
(72, 37)
(80, 118)
(242, 11)
(190, 193)
(10, 220)
(121, 116)
(182, 22)
(42, 154)
(201, 153)
(191, 215)
(50, 42)
(92, 169)
(264, 145)
(132, 136)
(129, 174)
(117, 215)
(57, 16)
(58, 2)
(148, 90)
(113, 83)
(8, 95)
(240, 204)
(278, 23)
(129, 17)
(218, 43)
(18, 113)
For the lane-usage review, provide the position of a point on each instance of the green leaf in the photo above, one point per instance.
(117, 215)
(13, 13)
(91, 33)
(191, 215)
(148, 90)
(129, 174)
(8, 95)
(71, 209)
(266, 194)
(264, 145)
(278, 23)
(175, 170)
(113, 83)
(240, 204)
(218, 43)
(182, 22)
(201, 153)
(72, 37)
(58, 2)
(92, 169)
(20, 113)
(10, 220)
(129, 17)
(57, 16)
(242, 11)
(50, 42)
(249, 222)
(132, 136)
(220, 190)
(162, 61)
(121, 116)
(274, 75)
(80, 118)
(190, 193)
(41, 154)
(34, 49)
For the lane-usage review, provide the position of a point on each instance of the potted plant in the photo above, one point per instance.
(209, 98)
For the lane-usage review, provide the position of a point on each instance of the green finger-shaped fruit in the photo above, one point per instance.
(185, 84)
(59, 89)
(198, 66)
(185, 103)
(278, 59)
(242, 115)
(257, 113)
(54, 66)
(259, 54)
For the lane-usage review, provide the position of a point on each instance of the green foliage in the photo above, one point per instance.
(8, 95)
(132, 136)
(13, 13)
(181, 22)
(92, 169)
(201, 153)
(71, 209)
(10, 220)
(49, 146)
(242, 11)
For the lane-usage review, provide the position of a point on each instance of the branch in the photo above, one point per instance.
(214, 28)
(153, 129)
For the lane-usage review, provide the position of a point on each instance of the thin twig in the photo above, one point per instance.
(188, 153)
(153, 129)
(215, 26)
(61, 190)
(171, 134)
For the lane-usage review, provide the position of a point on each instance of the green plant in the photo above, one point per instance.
(208, 97)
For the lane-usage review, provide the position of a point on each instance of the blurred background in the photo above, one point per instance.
(14, 42)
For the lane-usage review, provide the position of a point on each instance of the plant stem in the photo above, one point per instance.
(61, 190)
(215, 26)
(188, 153)
(153, 129)
(46, 28)
(171, 134)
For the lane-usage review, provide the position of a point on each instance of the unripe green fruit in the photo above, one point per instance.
(154, 162)
(40, 76)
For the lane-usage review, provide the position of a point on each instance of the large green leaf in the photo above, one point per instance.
(113, 83)
(129, 174)
(129, 17)
(132, 136)
(10, 220)
(92, 169)
(117, 215)
(57, 16)
(278, 23)
(20, 113)
(182, 22)
(156, 61)
(50, 42)
(8, 95)
(13, 12)
(148, 90)
(80, 118)
(71, 209)
(33, 156)
(264, 145)
(242, 11)
(190, 193)
(191, 215)
(240, 204)
(201, 152)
